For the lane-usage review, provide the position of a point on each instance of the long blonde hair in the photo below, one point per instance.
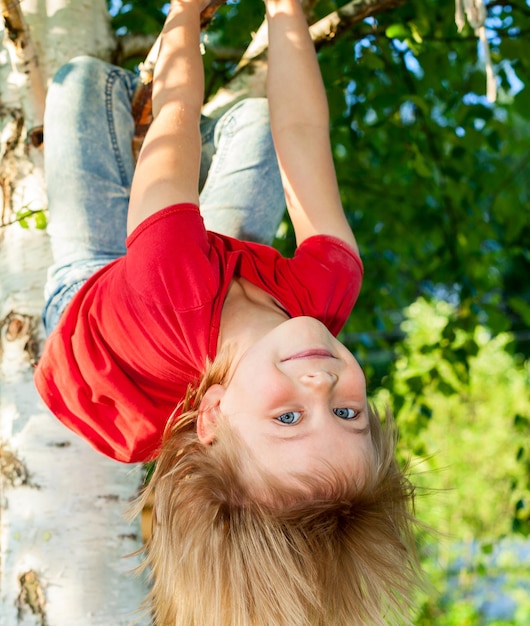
(331, 552)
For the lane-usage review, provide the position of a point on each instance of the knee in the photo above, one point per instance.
(71, 89)
(75, 81)
(79, 86)
(81, 69)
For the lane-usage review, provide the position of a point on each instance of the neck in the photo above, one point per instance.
(248, 315)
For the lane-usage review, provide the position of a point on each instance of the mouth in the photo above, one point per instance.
(310, 354)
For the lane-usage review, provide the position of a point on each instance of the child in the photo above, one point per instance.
(277, 498)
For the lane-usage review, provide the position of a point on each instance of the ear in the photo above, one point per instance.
(208, 414)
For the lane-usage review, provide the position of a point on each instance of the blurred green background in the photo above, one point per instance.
(435, 180)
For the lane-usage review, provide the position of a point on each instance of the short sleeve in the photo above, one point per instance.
(322, 280)
(168, 260)
(332, 272)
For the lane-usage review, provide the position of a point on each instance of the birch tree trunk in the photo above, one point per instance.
(63, 537)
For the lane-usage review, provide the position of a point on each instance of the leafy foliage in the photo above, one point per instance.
(458, 415)
(27, 217)
(463, 408)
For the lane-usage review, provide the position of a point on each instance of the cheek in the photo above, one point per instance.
(252, 374)
(261, 391)
(357, 459)
(356, 378)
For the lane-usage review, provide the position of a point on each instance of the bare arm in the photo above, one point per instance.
(167, 171)
(300, 126)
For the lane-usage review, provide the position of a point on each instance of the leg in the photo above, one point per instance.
(89, 167)
(243, 194)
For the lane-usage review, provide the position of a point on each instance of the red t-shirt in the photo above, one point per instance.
(140, 330)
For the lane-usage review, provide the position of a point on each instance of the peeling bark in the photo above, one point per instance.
(24, 55)
(13, 471)
(31, 597)
(11, 150)
(20, 327)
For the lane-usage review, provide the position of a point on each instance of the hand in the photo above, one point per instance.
(275, 7)
(202, 4)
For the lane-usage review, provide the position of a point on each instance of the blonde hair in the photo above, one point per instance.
(330, 552)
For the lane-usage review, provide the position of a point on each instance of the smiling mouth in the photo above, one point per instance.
(310, 354)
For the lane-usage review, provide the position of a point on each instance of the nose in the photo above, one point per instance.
(319, 379)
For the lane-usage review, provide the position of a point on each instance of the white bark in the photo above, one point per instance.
(62, 532)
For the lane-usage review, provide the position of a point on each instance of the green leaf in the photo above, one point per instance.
(521, 103)
(398, 31)
(522, 307)
(372, 60)
(40, 220)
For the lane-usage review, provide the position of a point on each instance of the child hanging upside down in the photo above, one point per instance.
(176, 334)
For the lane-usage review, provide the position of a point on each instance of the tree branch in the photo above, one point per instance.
(334, 24)
(251, 72)
(328, 28)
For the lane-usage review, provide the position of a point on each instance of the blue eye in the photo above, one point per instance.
(291, 417)
(346, 414)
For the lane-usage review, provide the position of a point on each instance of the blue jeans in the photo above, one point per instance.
(89, 167)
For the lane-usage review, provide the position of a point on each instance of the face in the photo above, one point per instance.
(297, 398)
